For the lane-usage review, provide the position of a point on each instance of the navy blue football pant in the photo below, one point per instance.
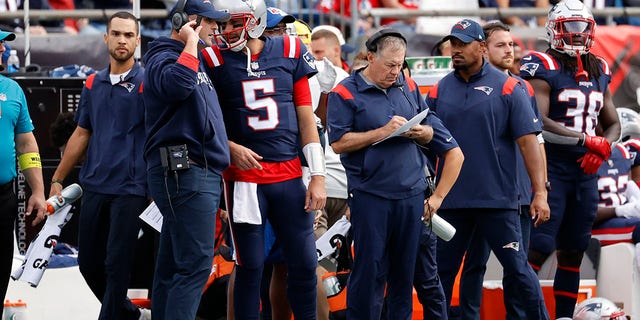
(108, 228)
(188, 203)
(573, 201)
(282, 204)
(8, 214)
(501, 229)
(475, 265)
(385, 236)
(426, 280)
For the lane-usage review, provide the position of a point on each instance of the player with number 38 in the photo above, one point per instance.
(579, 124)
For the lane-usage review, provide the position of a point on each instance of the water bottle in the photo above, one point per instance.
(13, 62)
(69, 194)
(443, 229)
(15, 310)
(331, 285)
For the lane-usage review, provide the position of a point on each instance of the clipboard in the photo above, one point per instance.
(405, 127)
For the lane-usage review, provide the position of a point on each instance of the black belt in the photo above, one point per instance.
(6, 187)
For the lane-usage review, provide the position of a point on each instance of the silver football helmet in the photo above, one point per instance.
(598, 309)
(249, 19)
(570, 27)
(629, 123)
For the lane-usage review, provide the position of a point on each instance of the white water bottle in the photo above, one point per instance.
(69, 194)
(13, 62)
(443, 229)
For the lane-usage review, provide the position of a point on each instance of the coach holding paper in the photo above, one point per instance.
(386, 180)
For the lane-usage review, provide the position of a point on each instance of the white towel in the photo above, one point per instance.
(41, 247)
(245, 203)
(324, 248)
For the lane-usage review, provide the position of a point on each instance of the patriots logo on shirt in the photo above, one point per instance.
(485, 89)
(127, 85)
(512, 245)
(530, 68)
(3, 97)
(308, 58)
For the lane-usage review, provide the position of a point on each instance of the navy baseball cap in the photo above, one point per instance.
(202, 8)
(275, 16)
(466, 30)
(7, 36)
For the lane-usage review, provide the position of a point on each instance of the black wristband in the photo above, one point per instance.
(56, 181)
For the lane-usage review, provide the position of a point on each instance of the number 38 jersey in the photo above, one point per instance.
(573, 104)
(258, 105)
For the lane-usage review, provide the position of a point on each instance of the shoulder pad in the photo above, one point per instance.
(291, 46)
(212, 56)
(538, 65)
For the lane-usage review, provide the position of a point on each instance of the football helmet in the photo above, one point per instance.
(252, 13)
(598, 309)
(570, 27)
(629, 123)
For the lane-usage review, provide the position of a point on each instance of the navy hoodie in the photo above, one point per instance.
(182, 107)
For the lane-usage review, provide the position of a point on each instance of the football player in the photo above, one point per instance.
(262, 84)
(571, 88)
(618, 216)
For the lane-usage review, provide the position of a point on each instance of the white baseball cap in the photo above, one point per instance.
(345, 47)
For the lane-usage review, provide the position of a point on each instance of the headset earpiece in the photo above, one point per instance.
(179, 17)
(372, 43)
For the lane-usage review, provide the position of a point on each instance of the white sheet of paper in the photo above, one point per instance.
(152, 216)
(405, 127)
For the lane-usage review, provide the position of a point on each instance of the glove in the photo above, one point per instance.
(598, 145)
(590, 162)
(326, 75)
(633, 192)
(628, 210)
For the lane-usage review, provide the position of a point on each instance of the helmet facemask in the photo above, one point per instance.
(573, 36)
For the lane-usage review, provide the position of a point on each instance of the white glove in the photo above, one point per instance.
(633, 192)
(628, 210)
(327, 75)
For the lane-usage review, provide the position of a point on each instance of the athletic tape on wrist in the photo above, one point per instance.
(314, 154)
(29, 160)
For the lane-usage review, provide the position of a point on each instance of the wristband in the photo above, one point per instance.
(314, 154)
(29, 160)
(58, 181)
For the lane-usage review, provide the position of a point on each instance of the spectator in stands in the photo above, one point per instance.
(518, 21)
(18, 142)
(113, 176)
(440, 25)
(406, 25)
(328, 41)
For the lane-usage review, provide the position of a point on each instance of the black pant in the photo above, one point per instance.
(8, 214)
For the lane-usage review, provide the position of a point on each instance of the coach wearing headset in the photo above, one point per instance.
(186, 150)
(386, 180)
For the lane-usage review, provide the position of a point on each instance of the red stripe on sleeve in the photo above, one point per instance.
(508, 86)
(433, 92)
(189, 61)
(343, 92)
(301, 92)
(89, 82)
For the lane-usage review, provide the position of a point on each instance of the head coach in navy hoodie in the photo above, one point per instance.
(186, 150)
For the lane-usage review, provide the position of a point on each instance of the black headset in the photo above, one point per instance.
(179, 17)
(372, 43)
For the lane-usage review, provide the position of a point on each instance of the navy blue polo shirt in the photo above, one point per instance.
(393, 169)
(485, 115)
(115, 116)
